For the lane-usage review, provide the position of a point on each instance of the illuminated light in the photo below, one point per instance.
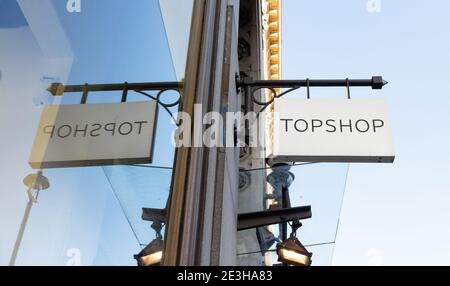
(151, 259)
(293, 252)
(152, 254)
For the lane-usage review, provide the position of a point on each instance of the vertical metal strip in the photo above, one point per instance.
(175, 210)
(221, 154)
(206, 195)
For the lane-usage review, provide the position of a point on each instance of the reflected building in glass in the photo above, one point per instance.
(188, 197)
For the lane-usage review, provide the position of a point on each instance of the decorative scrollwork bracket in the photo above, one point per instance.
(58, 89)
(250, 87)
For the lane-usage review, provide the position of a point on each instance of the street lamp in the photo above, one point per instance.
(34, 182)
(292, 251)
(152, 254)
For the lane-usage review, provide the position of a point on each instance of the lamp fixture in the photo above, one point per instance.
(292, 251)
(152, 254)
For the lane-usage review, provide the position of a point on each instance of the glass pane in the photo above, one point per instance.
(177, 18)
(89, 215)
(137, 188)
(320, 186)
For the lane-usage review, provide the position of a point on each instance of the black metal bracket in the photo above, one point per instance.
(250, 86)
(275, 216)
(157, 217)
(58, 89)
(246, 220)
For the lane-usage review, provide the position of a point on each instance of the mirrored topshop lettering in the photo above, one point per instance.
(95, 129)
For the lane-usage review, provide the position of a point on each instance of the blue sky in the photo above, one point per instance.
(392, 214)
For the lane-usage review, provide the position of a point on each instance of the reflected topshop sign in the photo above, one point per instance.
(317, 130)
(95, 135)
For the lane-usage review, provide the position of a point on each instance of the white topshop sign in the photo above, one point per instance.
(317, 130)
(95, 135)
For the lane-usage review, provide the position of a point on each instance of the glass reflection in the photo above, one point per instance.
(84, 217)
(321, 186)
